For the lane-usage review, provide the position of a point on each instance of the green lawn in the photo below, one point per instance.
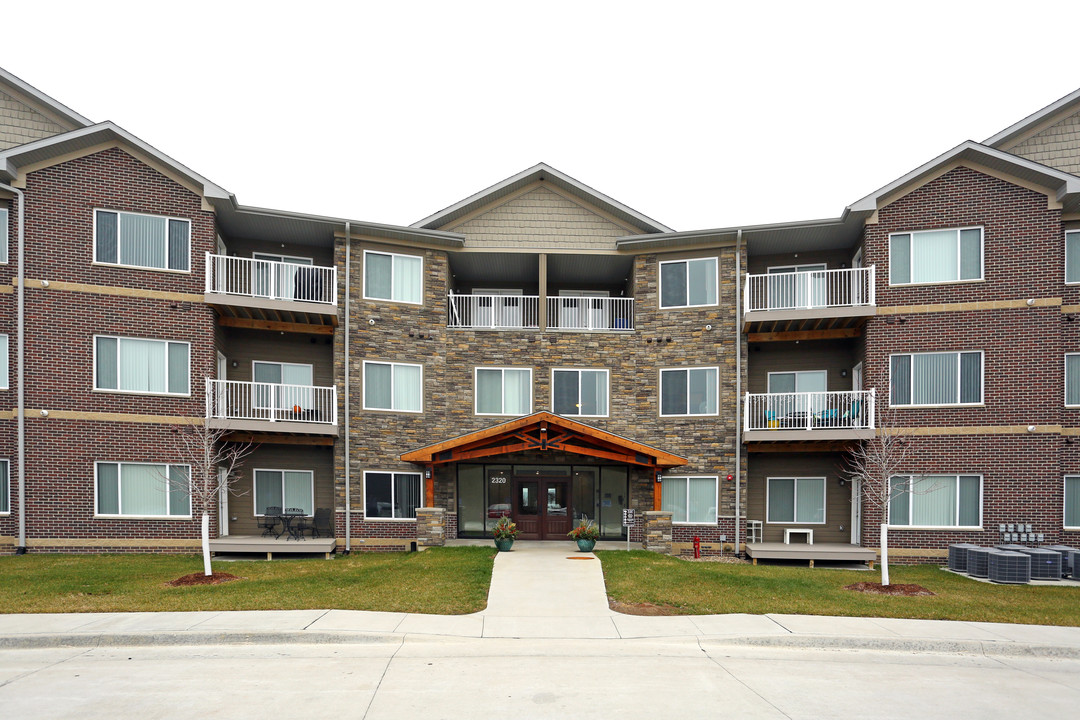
(697, 588)
(447, 581)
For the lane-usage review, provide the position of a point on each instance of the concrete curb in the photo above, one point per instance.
(904, 645)
(89, 640)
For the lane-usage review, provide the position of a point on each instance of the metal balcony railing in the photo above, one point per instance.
(846, 410)
(242, 400)
(493, 312)
(812, 289)
(270, 279)
(595, 314)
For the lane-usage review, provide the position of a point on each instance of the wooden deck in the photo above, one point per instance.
(803, 551)
(268, 544)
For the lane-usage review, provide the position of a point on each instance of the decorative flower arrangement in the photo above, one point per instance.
(586, 530)
(505, 529)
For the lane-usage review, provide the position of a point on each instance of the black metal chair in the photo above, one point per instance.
(322, 526)
(271, 517)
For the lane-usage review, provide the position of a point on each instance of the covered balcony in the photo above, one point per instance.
(271, 294)
(808, 304)
(802, 416)
(260, 407)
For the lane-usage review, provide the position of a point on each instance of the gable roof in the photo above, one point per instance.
(63, 112)
(541, 171)
(1069, 103)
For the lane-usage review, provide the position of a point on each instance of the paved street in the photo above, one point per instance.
(470, 678)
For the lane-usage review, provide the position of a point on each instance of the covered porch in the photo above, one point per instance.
(270, 545)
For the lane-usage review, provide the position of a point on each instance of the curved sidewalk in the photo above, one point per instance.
(539, 591)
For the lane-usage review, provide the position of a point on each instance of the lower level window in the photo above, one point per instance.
(5, 488)
(690, 499)
(796, 500)
(391, 495)
(936, 500)
(1072, 501)
(284, 489)
(143, 489)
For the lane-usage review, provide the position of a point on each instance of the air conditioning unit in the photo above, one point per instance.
(1074, 560)
(1045, 564)
(1006, 566)
(958, 556)
(976, 561)
(1066, 557)
(1011, 547)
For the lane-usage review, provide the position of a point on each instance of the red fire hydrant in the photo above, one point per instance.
(697, 548)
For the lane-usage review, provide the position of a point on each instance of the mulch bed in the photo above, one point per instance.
(896, 589)
(201, 579)
(641, 608)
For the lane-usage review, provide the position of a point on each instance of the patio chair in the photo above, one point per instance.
(322, 526)
(851, 417)
(271, 517)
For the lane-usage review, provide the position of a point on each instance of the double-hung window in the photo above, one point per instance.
(5, 487)
(5, 235)
(145, 241)
(284, 489)
(689, 391)
(796, 500)
(503, 391)
(1072, 502)
(143, 489)
(1072, 257)
(392, 495)
(936, 256)
(1072, 380)
(135, 365)
(4, 367)
(389, 276)
(688, 283)
(690, 499)
(579, 392)
(393, 386)
(935, 500)
(940, 378)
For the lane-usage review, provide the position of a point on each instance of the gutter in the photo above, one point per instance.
(738, 387)
(348, 295)
(20, 353)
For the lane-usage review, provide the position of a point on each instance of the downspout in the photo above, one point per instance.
(348, 475)
(738, 388)
(20, 354)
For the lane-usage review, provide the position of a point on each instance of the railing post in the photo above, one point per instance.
(873, 407)
(333, 404)
(872, 280)
(208, 398)
(746, 412)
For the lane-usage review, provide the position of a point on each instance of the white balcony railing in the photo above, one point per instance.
(270, 279)
(598, 314)
(848, 410)
(813, 289)
(242, 400)
(493, 312)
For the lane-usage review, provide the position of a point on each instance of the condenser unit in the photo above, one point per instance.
(976, 561)
(1045, 564)
(1066, 557)
(958, 556)
(1007, 566)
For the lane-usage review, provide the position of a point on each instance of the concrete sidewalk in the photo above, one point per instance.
(538, 591)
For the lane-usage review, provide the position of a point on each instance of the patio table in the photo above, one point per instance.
(288, 515)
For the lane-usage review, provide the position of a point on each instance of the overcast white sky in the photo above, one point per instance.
(697, 114)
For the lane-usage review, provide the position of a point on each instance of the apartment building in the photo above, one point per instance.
(537, 349)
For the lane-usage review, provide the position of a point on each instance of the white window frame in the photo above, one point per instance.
(5, 463)
(1065, 381)
(959, 378)
(957, 230)
(795, 499)
(1064, 501)
(393, 379)
(578, 370)
(1070, 234)
(5, 234)
(911, 479)
(120, 391)
(5, 362)
(394, 257)
(686, 261)
(120, 478)
(502, 386)
(393, 486)
(119, 214)
(254, 487)
(716, 497)
(660, 391)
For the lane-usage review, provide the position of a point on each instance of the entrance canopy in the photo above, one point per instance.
(543, 431)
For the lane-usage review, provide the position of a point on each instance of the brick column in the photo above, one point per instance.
(430, 527)
(658, 531)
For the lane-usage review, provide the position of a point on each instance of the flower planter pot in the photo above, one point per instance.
(504, 545)
(586, 545)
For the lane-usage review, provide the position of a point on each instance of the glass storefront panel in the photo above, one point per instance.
(542, 470)
(499, 489)
(585, 492)
(470, 494)
(614, 496)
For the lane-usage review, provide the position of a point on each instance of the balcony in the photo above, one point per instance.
(846, 415)
(271, 295)
(269, 407)
(522, 312)
(816, 304)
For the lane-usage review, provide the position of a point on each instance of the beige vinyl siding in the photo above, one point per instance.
(783, 465)
(541, 218)
(244, 346)
(21, 124)
(832, 356)
(320, 460)
(1057, 146)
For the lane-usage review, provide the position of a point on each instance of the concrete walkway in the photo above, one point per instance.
(538, 591)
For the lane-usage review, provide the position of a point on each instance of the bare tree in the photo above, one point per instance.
(214, 467)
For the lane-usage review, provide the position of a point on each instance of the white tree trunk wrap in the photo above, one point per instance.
(206, 545)
(884, 554)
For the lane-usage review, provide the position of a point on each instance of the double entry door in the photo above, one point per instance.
(541, 508)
